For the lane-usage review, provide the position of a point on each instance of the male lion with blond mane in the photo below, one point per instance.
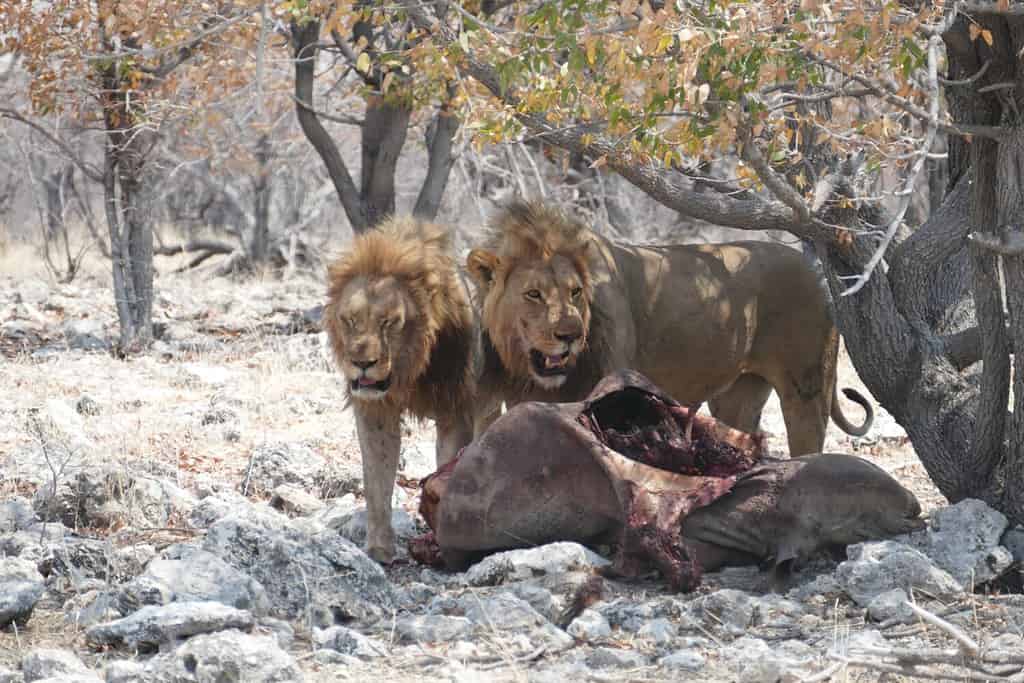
(402, 329)
(562, 307)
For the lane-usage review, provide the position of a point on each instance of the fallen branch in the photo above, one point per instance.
(192, 246)
(967, 644)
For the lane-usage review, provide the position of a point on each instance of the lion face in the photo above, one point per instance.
(536, 314)
(375, 323)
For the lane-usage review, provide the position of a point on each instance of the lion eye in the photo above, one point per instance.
(576, 292)
(533, 295)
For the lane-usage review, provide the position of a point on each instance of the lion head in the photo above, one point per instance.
(535, 291)
(389, 298)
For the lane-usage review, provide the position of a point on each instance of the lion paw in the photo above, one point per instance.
(382, 554)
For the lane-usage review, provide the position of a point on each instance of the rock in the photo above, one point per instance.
(218, 415)
(414, 595)
(963, 539)
(658, 631)
(755, 661)
(299, 570)
(777, 611)
(124, 671)
(16, 514)
(216, 506)
(506, 612)
(50, 663)
(349, 642)
(1012, 540)
(71, 562)
(21, 586)
(281, 629)
(890, 605)
(339, 478)
(868, 638)
(85, 334)
(8, 676)
(191, 574)
(294, 501)
(608, 658)
(518, 565)
(538, 597)
(353, 527)
(630, 615)
(1006, 642)
(880, 566)
(589, 626)
(433, 628)
(225, 656)
(284, 463)
(110, 496)
(85, 405)
(733, 610)
(156, 625)
(684, 660)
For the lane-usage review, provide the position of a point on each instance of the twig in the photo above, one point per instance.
(347, 120)
(825, 674)
(912, 670)
(522, 659)
(967, 644)
(970, 79)
(1012, 244)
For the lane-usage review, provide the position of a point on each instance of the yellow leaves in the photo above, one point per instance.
(363, 62)
(975, 30)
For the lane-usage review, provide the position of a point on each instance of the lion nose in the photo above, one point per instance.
(568, 338)
(364, 364)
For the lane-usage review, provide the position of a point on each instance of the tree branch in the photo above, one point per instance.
(440, 135)
(667, 186)
(304, 42)
(775, 184)
(90, 171)
(886, 93)
(194, 245)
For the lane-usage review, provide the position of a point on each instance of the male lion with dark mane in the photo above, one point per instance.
(401, 326)
(562, 307)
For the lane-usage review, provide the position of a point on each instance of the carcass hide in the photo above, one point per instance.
(632, 467)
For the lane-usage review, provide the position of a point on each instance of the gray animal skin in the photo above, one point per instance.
(784, 511)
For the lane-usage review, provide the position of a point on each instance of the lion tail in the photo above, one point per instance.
(840, 419)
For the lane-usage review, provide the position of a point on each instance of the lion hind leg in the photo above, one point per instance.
(740, 405)
(380, 440)
(806, 420)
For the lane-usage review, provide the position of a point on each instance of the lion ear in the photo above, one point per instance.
(481, 265)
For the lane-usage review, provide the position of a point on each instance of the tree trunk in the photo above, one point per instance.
(127, 201)
(385, 126)
(439, 137)
(261, 214)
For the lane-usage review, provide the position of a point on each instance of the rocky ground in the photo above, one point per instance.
(195, 514)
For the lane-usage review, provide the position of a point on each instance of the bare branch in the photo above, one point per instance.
(967, 644)
(194, 245)
(970, 79)
(89, 170)
(347, 120)
(886, 93)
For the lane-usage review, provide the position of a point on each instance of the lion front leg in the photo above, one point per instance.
(380, 440)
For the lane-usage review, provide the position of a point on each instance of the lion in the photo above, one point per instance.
(403, 333)
(561, 307)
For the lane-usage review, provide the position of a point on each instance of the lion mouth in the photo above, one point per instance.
(365, 385)
(546, 365)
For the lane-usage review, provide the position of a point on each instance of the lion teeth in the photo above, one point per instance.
(554, 361)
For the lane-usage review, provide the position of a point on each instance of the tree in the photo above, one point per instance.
(123, 63)
(813, 97)
(378, 53)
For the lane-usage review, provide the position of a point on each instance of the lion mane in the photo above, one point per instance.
(529, 232)
(434, 373)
